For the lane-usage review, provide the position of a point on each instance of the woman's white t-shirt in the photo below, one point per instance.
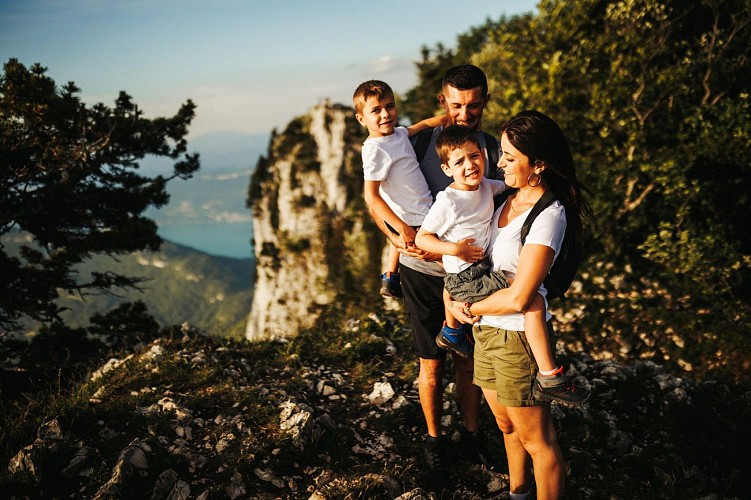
(457, 215)
(391, 161)
(505, 246)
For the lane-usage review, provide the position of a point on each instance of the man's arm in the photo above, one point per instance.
(412, 251)
(381, 212)
(432, 122)
(462, 249)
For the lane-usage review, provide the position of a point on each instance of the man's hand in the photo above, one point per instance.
(407, 236)
(412, 250)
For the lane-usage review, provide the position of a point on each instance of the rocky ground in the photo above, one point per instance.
(324, 416)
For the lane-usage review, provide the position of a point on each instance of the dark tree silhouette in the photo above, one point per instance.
(69, 180)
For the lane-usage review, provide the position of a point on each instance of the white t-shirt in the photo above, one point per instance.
(457, 215)
(391, 161)
(505, 245)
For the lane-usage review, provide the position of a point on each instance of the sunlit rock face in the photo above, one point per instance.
(313, 238)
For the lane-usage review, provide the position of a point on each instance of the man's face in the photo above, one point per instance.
(464, 107)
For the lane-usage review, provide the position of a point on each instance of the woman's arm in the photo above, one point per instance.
(534, 265)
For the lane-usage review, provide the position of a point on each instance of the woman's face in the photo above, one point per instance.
(515, 165)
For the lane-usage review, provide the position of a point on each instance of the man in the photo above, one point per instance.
(464, 95)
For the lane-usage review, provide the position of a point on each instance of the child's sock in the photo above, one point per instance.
(548, 373)
(454, 334)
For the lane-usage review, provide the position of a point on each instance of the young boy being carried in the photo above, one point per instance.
(458, 227)
(395, 189)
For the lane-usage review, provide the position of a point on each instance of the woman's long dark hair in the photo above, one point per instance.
(540, 138)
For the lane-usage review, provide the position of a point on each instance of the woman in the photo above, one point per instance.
(535, 158)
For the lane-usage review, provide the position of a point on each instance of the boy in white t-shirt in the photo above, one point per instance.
(395, 188)
(458, 227)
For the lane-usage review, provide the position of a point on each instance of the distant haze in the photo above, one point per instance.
(208, 212)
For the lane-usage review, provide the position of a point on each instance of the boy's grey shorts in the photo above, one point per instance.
(474, 283)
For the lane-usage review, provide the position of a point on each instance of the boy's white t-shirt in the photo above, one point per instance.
(505, 246)
(457, 215)
(391, 161)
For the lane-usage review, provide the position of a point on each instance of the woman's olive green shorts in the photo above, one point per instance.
(504, 363)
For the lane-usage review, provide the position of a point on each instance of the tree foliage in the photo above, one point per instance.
(654, 97)
(422, 100)
(68, 178)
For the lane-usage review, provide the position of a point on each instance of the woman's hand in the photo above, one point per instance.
(462, 312)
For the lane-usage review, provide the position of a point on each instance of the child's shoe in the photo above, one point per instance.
(558, 387)
(456, 339)
(391, 286)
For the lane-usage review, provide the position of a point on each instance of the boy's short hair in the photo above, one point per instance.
(465, 77)
(453, 137)
(371, 88)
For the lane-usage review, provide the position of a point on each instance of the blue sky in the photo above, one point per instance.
(249, 65)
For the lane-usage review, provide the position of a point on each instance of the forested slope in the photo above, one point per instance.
(655, 99)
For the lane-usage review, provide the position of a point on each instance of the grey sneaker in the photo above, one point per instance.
(558, 387)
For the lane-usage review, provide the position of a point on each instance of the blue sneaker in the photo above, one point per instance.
(391, 286)
(456, 339)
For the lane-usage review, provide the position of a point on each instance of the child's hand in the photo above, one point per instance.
(468, 252)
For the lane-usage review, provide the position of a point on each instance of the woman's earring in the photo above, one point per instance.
(539, 180)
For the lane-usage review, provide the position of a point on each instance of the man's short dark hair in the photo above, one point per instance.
(465, 77)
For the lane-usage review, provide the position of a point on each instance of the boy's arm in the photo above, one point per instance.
(380, 211)
(463, 249)
(432, 122)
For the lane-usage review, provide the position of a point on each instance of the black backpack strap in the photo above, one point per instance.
(421, 142)
(543, 203)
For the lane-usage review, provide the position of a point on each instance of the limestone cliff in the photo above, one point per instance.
(313, 238)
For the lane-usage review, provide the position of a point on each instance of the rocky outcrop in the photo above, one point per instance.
(313, 238)
(195, 416)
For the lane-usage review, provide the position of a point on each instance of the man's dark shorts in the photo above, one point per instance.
(423, 299)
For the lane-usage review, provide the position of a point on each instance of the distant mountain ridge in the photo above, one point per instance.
(182, 285)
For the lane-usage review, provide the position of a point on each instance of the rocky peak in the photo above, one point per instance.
(312, 235)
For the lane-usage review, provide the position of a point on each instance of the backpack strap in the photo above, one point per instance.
(543, 203)
(554, 290)
(421, 143)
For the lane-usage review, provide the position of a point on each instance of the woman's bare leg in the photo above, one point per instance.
(518, 459)
(536, 433)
